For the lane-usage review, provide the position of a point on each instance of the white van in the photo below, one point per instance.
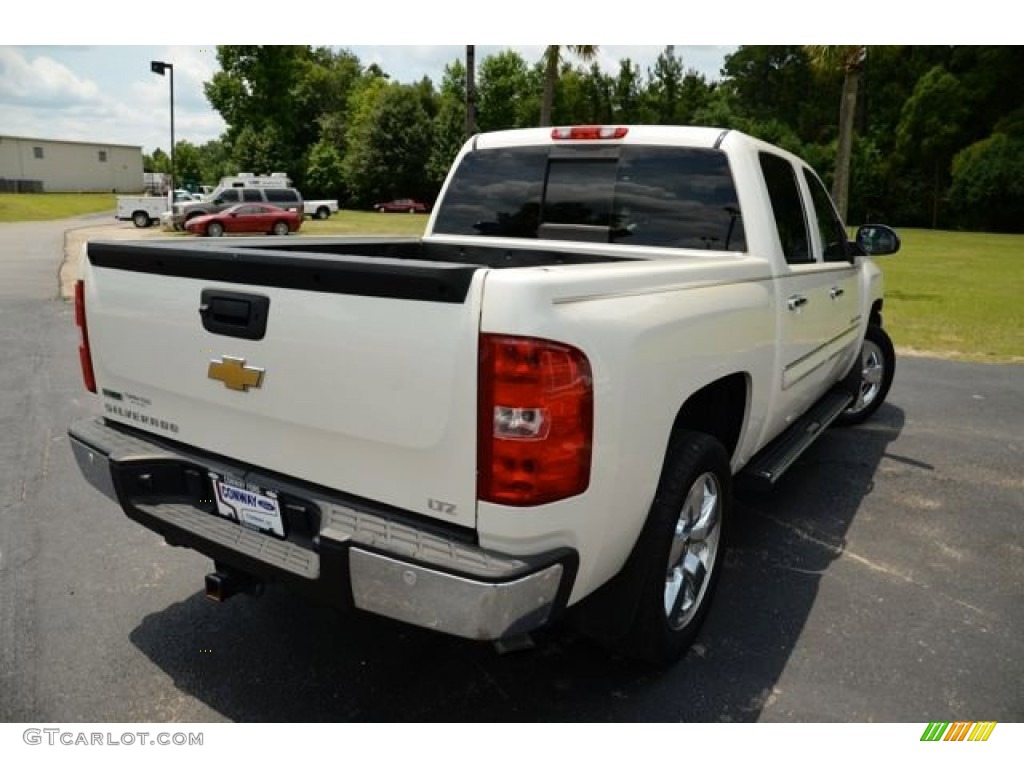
(274, 180)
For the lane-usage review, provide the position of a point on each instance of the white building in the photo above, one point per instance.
(46, 165)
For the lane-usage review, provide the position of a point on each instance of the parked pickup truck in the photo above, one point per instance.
(143, 210)
(542, 404)
(319, 209)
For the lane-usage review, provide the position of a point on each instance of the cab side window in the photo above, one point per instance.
(780, 178)
(830, 228)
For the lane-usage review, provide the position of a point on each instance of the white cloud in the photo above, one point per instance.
(106, 94)
(41, 81)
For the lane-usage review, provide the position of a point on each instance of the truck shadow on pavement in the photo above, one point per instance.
(283, 659)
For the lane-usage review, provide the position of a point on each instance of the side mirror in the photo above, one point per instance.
(877, 240)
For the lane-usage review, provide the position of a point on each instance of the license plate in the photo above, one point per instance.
(247, 505)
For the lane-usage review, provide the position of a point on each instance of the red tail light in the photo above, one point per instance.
(590, 132)
(535, 421)
(84, 355)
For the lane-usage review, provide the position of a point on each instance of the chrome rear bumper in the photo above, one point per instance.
(356, 555)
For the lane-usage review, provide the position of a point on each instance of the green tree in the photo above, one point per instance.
(868, 171)
(849, 59)
(777, 82)
(584, 97)
(261, 149)
(389, 144)
(666, 86)
(552, 65)
(158, 162)
(503, 87)
(627, 95)
(675, 95)
(187, 165)
(449, 125)
(214, 162)
(325, 175)
(448, 137)
(720, 110)
(987, 190)
(930, 124)
(273, 99)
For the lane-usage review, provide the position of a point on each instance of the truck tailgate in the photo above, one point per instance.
(360, 375)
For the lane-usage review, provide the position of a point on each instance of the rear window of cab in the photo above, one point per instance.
(674, 197)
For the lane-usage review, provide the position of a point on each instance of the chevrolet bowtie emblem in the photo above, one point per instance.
(235, 373)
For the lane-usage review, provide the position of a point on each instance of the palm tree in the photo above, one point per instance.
(850, 59)
(552, 59)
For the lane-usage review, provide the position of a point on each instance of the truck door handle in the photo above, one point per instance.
(795, 302)
(835, 293)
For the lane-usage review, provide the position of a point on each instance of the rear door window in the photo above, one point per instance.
(787, 206)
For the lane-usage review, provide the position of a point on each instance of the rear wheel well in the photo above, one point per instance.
(719, 410)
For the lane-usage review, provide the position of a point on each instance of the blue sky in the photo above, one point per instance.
(107, 92)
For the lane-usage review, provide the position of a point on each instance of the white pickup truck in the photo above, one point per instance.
(541, 404)
(319, 209)
(143, 210)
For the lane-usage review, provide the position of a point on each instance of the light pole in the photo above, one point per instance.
(160, 68)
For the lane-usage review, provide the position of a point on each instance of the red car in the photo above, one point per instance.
(404, 205)
(246, 218)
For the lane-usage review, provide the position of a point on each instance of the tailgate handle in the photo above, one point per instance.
(229, 313)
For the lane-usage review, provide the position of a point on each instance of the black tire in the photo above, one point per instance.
(280, 228)
(694, 493)
(141, 219)
(871, 376)
(214, 229)
(322, 213)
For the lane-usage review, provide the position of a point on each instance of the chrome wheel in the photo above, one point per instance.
(872, 374)
(693, 551)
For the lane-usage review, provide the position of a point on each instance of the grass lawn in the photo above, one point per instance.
(52, 205)
(367, 223)
(957, 294)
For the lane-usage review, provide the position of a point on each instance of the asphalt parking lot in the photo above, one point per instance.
(883, 580)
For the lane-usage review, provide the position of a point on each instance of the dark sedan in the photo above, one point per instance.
(247, 218)
(403, 205)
